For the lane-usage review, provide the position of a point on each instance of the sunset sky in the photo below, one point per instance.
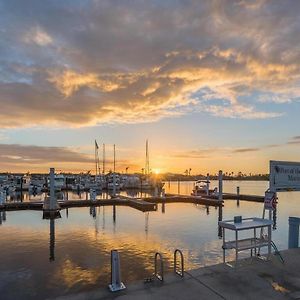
(211, 84)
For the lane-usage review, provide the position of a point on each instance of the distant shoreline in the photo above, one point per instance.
(228, 178)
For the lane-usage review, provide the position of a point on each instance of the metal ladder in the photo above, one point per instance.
(180, 271)
(158, 272)
(159, 266)
(159, 276)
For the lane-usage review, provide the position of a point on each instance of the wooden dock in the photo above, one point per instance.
(141, 204)
(229, 196)
(133, 203)
(226, 196)
(184, 199)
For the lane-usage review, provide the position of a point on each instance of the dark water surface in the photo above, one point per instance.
(42, 258)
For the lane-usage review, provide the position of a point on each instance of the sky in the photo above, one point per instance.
(212, 84)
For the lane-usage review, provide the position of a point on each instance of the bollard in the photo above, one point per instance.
(116, 283)
(294, 223)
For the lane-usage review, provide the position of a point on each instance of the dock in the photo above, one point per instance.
(133, 203)
(184, 199)
(253, 198)
(141, 204)
(254, 279)
(226, 196)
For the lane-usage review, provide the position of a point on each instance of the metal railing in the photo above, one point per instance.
(180, 271)
(159, 276)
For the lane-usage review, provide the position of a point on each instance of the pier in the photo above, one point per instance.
(254, 279)
(227, 196)
(141, 204)
(133, 203)
(171, 198)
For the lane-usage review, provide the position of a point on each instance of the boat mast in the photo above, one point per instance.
(114, 158)
(103, 168)
(147, 167)
(96, 157)
(114, 173)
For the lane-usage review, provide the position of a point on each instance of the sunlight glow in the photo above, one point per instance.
(156, 171)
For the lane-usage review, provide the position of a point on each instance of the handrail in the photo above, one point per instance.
(277, 252)
(179, 272)
(160, 276)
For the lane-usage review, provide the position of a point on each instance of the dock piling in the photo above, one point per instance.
(238, 195)
(52, 190)
(220, 185)
(207, 185)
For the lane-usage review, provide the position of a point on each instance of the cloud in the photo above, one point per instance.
(199, 153)
(27, 154)
(15, 157)
(81, 63)
(244, 150)
(294, 140)
(38, 36)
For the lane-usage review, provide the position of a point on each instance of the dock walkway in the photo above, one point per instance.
(144, 204)
(139, 205)
(254, 279)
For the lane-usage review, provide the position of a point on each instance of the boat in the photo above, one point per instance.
(113, 183)
(59, 182)
(23, 182)
(201, 188)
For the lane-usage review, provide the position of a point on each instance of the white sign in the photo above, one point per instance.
(284, 176)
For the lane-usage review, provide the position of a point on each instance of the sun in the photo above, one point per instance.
(156, 171)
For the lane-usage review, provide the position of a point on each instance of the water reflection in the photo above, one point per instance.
(2, 217)
(220, 218)
(52, 240)
(72, 253)
(25, 196)
(146, 222)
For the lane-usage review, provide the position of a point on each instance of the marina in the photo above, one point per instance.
(149, 150)
(96, 230)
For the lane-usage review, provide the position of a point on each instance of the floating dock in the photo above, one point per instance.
(136, 204)
(183, 199)
(142, 204)
(227, 196)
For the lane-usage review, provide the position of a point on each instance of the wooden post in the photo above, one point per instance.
(220, 185)
(52, 190)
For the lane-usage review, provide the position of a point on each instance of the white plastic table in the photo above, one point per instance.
(252, 242)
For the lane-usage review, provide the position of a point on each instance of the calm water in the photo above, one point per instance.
(42, 258)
